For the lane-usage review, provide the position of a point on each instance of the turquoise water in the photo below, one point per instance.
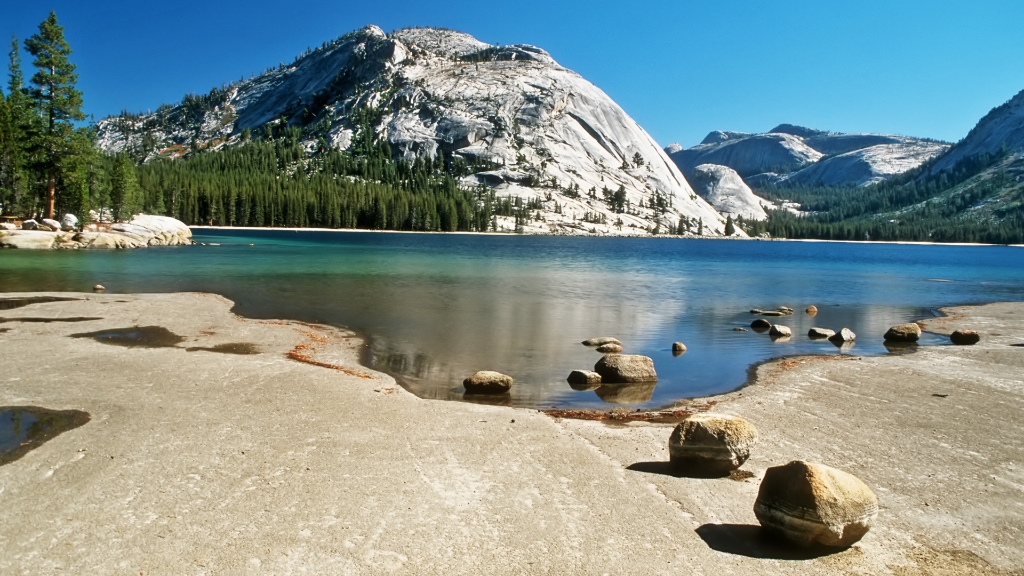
(436, 308)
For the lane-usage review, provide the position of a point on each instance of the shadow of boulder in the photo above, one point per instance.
(755, 542)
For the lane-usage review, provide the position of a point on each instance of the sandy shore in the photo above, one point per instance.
(209, 463)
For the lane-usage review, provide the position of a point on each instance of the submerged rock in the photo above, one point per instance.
(601, 341)
(909, 332)
(625, 368)
(678, 347)
(488, 382)
(815, 505)
(965, 337)
(609, 348)
(844, 335)
(812, 310)
(819, 333)
(711, 444)
(583, 380)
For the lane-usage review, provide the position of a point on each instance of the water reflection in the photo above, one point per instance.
(23, 428)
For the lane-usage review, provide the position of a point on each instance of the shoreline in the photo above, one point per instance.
(212, 462)
(659, 236)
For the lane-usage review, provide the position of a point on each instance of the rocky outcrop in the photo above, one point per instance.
(711, 444)
(909, 332)
(965, 337)
(626, 368)
(726, 191)
(815, 505)
(749, 154)
(142, 231)
(1002, 128)
(525, 126)
(488, 382)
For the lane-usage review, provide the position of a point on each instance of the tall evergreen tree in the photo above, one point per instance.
(125, 194)
(730, 229)
(15, 128)
(58, 145)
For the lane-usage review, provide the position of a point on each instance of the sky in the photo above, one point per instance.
(680, 68)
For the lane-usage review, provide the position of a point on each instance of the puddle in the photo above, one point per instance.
(48, 320)
(23, 428)
(233, 348)
(136, 337)
(12, 303)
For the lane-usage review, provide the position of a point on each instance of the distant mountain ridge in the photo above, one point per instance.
(523, 126)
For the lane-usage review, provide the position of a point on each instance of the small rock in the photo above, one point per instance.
(780, 331)
(609, 348)
(815, 505)
(625, 368)
(844, 335)
(738, 329)
(756, 311)
(785, 309)
(99, 288)
(711, 444)
(601, 341)
(761, 324)
(488, 382)
(772, 313)
(965, 337)
(819, 333)
(583, 377)
(812, 310)
(909, 332)
(678, 347)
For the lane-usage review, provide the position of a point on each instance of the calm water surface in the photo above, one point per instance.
(436, 308)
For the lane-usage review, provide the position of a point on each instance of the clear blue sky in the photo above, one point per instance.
(681, 68)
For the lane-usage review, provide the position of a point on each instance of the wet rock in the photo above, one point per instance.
(488, 382)
(812, 310)
(844, 335)
(625, 368)
(609, 348)
(761, 325)
(780, 331)
(601, 341)
(99, 288)
(711, 444)
(965, 337)
(909, 332)
(678, 347)
(815, 505)
(819, 333)
(738, 329)
(635, 393)
(772, 313)
(69, 222)
(785, 309)
(584, 380)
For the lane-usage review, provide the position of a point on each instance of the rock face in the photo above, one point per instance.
(1003, 126)
(143, 230)
(601, 341)
(711, 444)
(965, 337)
(779, 331)
(796, 155)
(625, 368)
(488, 382)
(815, 505)
(525, 126)
(819, 333)
(844, 335)
(909, 332)
(609, 348)
(726, 191)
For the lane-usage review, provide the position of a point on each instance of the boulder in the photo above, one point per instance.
(909, 332)
(28, 239)
(69, 222)
(609, 348)
(965, 337)
(601, 341)
(819, 333)
(7, 226)
(99, 288)
(29, 224)
(51, 224)
(625, 368)
(761, 325)
(678, 347)
(488, 382)
(711, 444)
(844, 335)
(812, 310)
(815, 505)
(635, 393)
(583, 379)
(780, 331)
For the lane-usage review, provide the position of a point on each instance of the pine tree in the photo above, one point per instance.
(15, 128)
(58, 144)
(729, 228)
(125, 195)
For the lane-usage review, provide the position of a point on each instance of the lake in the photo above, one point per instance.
(434, 308)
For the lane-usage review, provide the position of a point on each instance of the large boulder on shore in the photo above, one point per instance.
(815, 505)
(155, 230)
(69, 222)
(909, 332)
(711, 444)
(965, 337)
(30, 239)
(488, 382)
(625, 368)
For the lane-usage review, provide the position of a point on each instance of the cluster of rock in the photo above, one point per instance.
(141, 231)
(809, 504)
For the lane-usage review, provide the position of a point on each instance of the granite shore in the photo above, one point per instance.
(293, 458)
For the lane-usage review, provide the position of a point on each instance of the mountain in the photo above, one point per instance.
(1001, 130)
(726, 191)
(802, 156)
(508, 118)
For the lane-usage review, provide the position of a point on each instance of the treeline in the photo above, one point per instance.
(915, 206)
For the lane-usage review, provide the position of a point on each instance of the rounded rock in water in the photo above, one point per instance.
(625, 368)
(815, 505)
(761, 324)
(909, 332)
(601, 341)
(819, 333)
(780, 331)
(711, 444)
(844, 335)
(488, 382)
(609, 348)
(812, 310)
